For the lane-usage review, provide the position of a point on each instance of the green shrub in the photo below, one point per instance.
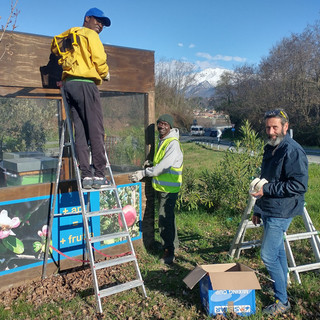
(225, 188)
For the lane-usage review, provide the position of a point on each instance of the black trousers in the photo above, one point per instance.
(84, 101)
(167, 220)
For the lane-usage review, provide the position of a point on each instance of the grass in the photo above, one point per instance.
(204, 239)
(198, 157)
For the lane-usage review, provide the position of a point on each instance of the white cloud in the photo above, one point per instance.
(204, 55)
(180, 44)
(191, 45)
(219, 57)
(202, 65)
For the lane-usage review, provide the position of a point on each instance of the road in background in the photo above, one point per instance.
(313, 155)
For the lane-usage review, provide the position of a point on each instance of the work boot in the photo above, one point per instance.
(168, 257)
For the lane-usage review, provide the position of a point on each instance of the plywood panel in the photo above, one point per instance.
(131, 70)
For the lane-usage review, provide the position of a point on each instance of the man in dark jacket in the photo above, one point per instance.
(285, 170)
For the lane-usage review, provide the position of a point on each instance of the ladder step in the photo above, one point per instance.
(111, 187)
(103, 212)
(109, 236)
(250, 225)
(301, 236)
(114, 262)
(306, 267)
(248, 244)
(120, 288)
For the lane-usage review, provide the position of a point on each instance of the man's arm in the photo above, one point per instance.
(98, 54)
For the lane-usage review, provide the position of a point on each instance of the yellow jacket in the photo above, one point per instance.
(88, 60)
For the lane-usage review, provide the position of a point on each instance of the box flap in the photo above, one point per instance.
(225, 276)
(220, 267)
(239, 280)
(194, 276)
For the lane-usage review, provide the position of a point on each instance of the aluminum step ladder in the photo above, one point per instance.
(313, 235)
(239, 243)
(87, 215)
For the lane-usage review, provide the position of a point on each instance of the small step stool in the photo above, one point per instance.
(87, 215)
(239, 243)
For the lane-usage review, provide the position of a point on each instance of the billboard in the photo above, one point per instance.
(24, 226)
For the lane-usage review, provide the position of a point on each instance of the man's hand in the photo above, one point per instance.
(256, 187)
(258, 195)
(137, 176)
(255, 220)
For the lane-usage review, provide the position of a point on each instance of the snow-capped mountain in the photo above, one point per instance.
(211, 75)
(205, 82)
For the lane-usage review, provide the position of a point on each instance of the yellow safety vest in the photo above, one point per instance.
(169, 181)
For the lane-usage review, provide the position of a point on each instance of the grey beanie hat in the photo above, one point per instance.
(166, 118)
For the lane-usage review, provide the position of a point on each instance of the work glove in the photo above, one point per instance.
(147, 164)
(107, 78)
(137, 176)
(256, 185)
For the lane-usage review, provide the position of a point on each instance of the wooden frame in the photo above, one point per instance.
(28, 70)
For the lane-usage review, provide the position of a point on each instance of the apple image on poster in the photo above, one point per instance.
(130, 215)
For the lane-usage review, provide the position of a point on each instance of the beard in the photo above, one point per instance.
(276, 141)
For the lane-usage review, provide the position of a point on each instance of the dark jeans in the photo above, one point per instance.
(84, 101)
(167, 221)
(148, 216)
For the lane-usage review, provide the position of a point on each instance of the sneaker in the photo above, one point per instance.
(277, 308)
(87, 183)
(100, 182)
(168, 257)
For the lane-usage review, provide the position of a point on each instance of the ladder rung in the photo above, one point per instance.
(109, 236)
(103, 212)
(250, 225)
(114, 262)
(248, 244)
(301, 236)
(120, 288)
(306, 267)
(111, 187)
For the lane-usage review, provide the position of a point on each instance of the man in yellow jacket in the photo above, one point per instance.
(166, 173)
(83, 69)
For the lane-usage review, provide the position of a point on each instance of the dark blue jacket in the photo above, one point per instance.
(286, 169)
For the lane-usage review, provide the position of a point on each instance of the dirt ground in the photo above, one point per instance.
(61, 286)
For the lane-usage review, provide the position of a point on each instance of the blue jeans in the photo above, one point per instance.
(273, 254)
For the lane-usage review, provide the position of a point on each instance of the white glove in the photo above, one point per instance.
(107, 78)
(137, 176)
(147, 163)
(256, 185)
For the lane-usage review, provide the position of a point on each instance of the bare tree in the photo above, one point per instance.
(172, 80)
(288, 77)
(10, 23)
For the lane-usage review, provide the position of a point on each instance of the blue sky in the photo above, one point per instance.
(208, 33)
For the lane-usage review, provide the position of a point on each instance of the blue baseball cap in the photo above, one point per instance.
(95, 12)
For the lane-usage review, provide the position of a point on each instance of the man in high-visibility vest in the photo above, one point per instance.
(166, 173)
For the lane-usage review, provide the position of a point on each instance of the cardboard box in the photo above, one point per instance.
(228, 287)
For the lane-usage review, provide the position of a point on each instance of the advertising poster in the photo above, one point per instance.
(24, 226)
